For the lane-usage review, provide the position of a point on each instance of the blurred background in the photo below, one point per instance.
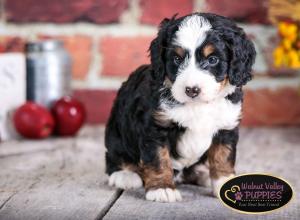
(87, 48)
(108, 39)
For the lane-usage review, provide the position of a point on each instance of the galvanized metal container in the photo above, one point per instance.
(48, 71)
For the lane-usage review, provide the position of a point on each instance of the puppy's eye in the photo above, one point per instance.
(213, 60)
(177, 60)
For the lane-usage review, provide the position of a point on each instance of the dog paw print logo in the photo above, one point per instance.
(238, 196)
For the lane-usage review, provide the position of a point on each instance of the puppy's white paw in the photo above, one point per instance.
(125, 179)
(163, 195)
(218, 183)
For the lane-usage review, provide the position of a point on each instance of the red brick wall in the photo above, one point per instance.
(131, 53)
(65, 11)
(103, 11)
(93, 30)
(109, 13)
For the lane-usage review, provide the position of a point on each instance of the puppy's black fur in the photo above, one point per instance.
(133, 135)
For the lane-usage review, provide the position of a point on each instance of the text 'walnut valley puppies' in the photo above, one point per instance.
(176, 120)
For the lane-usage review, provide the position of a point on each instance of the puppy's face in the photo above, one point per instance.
(203, 58)
(196, 62)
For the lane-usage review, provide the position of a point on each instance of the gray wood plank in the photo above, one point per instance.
(274, 151)
(55, 179)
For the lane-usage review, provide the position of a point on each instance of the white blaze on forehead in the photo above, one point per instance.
(192, 32)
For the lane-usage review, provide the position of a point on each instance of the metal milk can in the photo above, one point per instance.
(48, 67)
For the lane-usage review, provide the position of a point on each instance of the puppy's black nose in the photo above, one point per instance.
(192, 92)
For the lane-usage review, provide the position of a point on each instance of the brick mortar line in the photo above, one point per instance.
(199, 5)
(96, 63)
(94, 79)
(77, 29)
(100, 83)
(99, 30)
(133, 14)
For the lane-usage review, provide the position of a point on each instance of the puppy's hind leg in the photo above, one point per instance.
(197, 174)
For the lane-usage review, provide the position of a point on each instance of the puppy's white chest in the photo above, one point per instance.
(201, 121)
(191, 145)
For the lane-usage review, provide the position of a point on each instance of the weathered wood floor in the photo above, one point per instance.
(64, 179)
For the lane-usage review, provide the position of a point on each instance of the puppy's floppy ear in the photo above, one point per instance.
(157, 49)
(242, 55)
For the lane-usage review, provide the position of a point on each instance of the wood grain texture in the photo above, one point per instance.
(64, 179)
(54, 179)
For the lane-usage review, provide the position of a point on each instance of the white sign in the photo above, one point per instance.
(12, 91)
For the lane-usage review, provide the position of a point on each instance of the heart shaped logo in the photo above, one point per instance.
(233, 189)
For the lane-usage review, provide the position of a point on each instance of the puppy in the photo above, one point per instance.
(176, 120)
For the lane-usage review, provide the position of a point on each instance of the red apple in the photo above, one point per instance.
(33, 121)
(69, 115)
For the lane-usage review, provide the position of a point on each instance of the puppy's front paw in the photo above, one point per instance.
(163, 195)
(125, 179)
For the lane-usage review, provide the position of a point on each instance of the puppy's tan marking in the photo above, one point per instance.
(220, 162)
(130, 167)
(208, 49)
(161, 176)
(180, 51)
(167, 82)
(224, 83)
(161, 118)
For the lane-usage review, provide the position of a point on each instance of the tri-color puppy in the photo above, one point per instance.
(176, 120)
